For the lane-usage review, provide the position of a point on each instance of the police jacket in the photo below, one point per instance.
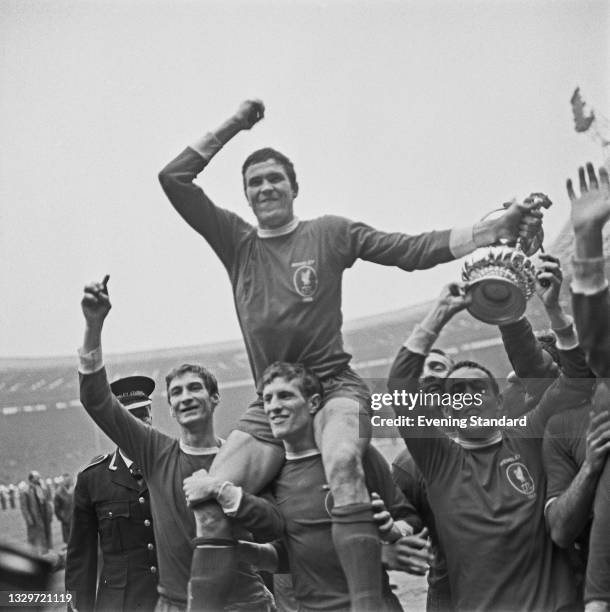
(112, 508)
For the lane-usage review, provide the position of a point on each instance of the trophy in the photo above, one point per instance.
(502, 278)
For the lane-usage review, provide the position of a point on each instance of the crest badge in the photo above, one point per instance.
(519, 477)
(305, 281)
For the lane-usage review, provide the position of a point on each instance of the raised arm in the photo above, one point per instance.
(531, 363)
(409, 362)
(420, 435)
(221, 228)
(131, 435)
(590, 212)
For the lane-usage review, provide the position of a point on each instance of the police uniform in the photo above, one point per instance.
(112, 506)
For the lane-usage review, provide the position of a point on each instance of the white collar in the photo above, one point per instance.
(312, 452)
(278, 231)
(205, 450)
(113, 466)
(127, 460)
(476, 444)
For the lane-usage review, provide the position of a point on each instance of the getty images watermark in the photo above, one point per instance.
(433, 411)
(426, 401)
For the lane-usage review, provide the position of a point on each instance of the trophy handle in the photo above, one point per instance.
(533, 245)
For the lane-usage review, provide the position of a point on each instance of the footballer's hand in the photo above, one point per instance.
(200, 487)
(453, 298)
(95, 302)
(409, 554)
(591, 209)
(249, 113)
(383, 519)
(598, 431)
(548, 280)
(522, 220)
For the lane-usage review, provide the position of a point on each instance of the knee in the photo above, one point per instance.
(248, 462)
(343, 463)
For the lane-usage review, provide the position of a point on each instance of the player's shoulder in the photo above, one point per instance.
(330, 221)
(98, 460)
(332, 227)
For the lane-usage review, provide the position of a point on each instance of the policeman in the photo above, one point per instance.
(111, 505)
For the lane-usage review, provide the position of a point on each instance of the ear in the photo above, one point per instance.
(215, 397)
(315, 402)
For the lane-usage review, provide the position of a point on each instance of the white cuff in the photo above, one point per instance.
(461, 241)
(229, 497)
(91, 362)
(589, 276)
(207, 146)
(566, 336)
(421, 340)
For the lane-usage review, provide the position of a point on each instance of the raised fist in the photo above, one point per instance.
(250, 112)
(95, 302)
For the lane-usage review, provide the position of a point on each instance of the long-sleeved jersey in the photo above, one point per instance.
(287, 286)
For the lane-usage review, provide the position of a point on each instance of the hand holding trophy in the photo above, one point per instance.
(501, 278)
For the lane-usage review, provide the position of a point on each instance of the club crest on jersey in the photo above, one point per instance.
(305, 280)
(520, 478)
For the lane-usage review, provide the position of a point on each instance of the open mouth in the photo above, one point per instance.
(188, 409)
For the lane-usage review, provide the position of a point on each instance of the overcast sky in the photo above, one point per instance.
(406, 115)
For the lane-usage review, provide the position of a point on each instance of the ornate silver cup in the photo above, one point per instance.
(502, 278)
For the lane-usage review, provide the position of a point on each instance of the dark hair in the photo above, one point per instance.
(308, 382)
(209, 380)
(548, 342)
(478, 366)
(262, 155)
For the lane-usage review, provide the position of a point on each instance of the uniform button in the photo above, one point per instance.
(146, 523)
(109, 513)
(150, 546)
(141, 500)
(153, 569)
